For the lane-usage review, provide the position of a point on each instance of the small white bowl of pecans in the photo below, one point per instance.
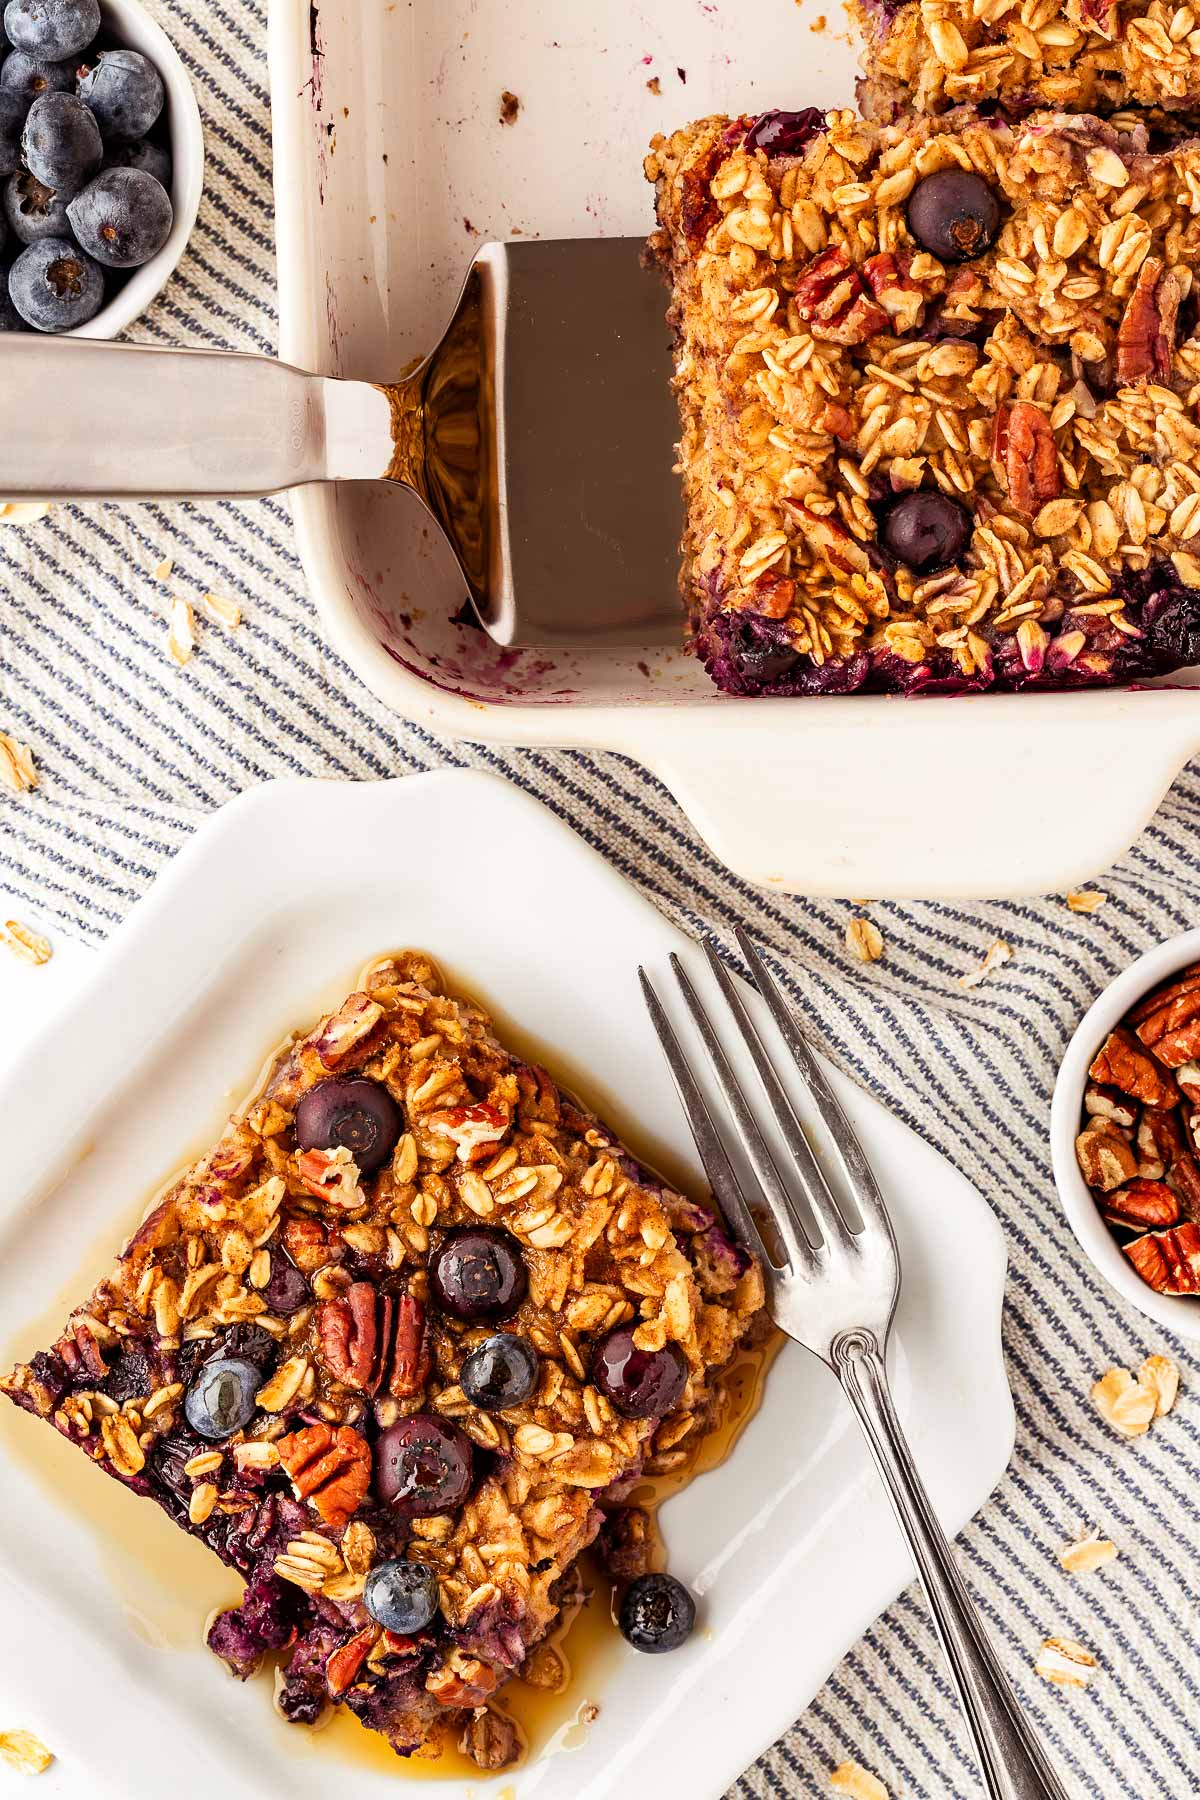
(1125, 1133)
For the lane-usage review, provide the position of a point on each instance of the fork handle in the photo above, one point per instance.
(1012, 1762)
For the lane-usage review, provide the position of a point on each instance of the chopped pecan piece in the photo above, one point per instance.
(332, 1176)
(348, 1659)
(473, 1130)
(462, 1680)
(490, 1739)
(1024, 450)
(81, 1353)
(1146, 334)
(1105, 1157)
(346, 1030)
(770, 596)
(830, 295)
(1103, 16)
(307, 1243)
(889, 279)
(1103, 1102)
(1183, 1178)
(1168, 1261)
(1122, 1062)
(1143, 1205)
(329, 1468)
(1159, 1141)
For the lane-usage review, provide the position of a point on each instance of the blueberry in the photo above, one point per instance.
(954, 214)
(287, 1289)
(657, 1614)
(926, 531)
(401, 1596)
(423, 1465)
(477, 1273)
(34, 75)
(154, 159)
(642, 1384)
(122, 218)
(763, 659)
(126, 93)
(13, 110)
(10, 318)
(32, 211)
(221, 1398)
(129, 1377)
(785, 133)
(351, 1112)
(61, 143)
(57, 29)
(500, 1372)
(54, 286)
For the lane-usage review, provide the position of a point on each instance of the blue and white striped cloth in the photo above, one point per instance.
(134, 752)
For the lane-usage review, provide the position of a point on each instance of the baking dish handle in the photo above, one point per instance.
(969, 798)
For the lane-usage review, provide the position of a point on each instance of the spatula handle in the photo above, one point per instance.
(82, 419)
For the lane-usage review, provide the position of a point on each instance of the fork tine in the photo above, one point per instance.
(717, 1166)
(816, 1189)
(858, 1171)
(802, 1254)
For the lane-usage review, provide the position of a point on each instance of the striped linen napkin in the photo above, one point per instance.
(135, 740)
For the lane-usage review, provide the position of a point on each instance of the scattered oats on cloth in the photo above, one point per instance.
(1065, 1663)
(1129, 1403)
(865, 940)
(16, 765)
(852, 1779)
(29, 945)
(23, 512)
(24, 1752)
(1087, 1554)
(1086, 900)
(997, 956)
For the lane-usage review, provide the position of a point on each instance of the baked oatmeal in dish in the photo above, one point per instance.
(939, 384)
(1096, 56)
(397, 1349)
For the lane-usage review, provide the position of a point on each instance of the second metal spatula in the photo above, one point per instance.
(540, 434)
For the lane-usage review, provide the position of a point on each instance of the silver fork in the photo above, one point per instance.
(832, 1285)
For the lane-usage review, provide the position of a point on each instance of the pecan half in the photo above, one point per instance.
(1105, 1156)
(1146, 334)
(1185, 982)
(346, 1331)
(1159, 1141)
(1172, 1028)
(1168, 1261)
(1023, 447)
(348, 1659)
(81, 1353)
(330, 1468)
(1144, 1205)
(1123, 1063)
(376, 1342)
(1188, 1077)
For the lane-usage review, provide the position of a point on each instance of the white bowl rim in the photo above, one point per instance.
(130, 23)
(1179, 1313)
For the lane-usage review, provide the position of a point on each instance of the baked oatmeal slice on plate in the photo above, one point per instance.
(396, 1349)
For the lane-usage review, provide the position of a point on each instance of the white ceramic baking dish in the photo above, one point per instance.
(391, 163)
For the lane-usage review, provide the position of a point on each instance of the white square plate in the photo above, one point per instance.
(264, 919)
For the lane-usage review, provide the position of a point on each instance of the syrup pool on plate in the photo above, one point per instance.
(166, 1585)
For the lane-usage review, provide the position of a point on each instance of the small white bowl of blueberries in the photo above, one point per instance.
(101, 164)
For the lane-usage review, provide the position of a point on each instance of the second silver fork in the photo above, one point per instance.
(833, 1281)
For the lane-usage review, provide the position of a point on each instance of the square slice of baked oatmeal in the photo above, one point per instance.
(1095, 56)
(397, 1349)
(939, 385)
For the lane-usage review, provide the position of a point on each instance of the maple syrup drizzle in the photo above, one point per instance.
(167, 1585)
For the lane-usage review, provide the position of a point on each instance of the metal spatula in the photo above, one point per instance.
(540, 434)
